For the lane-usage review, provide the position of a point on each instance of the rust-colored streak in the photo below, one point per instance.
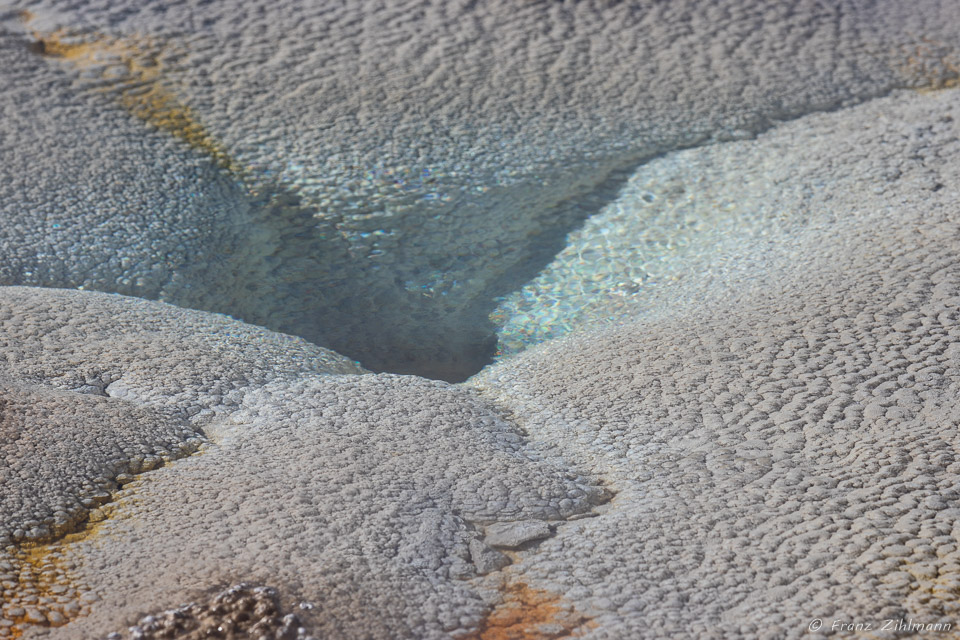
(530, 614)
(132, 67)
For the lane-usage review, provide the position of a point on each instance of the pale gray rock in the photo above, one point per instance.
(147, 352)
(96, 389)
(513, 535)
(92, 198)
(660, 238)
(485, 559)
(61, 453)
(97, 386)
(779, 427)
(408, 162)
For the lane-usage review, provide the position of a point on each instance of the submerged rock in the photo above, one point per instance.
(388, 171)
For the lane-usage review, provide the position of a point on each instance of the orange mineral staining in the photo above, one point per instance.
(934, 63)
(133, 68)
(530, 614)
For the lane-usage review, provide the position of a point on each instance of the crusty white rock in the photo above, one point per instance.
(96, 389)
(358, 494)
(99, 385)
(338, 489)
(92, 198)
(781, 429)
(148, 352)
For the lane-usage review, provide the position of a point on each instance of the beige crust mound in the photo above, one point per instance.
(147, 352)
(366, 495)
(99, 386)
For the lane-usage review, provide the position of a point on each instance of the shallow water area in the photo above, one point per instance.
(399, 193)
(662, 220)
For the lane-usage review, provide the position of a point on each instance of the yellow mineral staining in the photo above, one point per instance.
(529, 614)
(936, 586)
(934, 63)
(40, 589)
(132, 68)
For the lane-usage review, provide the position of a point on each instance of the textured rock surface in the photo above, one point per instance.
(677, 213)
(362, 493)
(92, 198)
(133, 383)
(96, 389)
(513, 535)
(102, 386)
(61, 452)
(782, 431)
(426, 157)
(242, 611)
(147, 352)
(779, 425)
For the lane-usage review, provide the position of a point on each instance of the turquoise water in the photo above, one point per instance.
(420, 196)
(667, 223)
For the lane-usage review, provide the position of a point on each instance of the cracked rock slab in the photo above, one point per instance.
(485, 559)
(513, 535)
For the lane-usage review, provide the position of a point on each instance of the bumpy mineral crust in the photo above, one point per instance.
(392, 161)
(764, 439)
(368, 494)
(148, 352)
(61, 453)
(361, 494)
(103, 386)
(781, 429)
(241, 612)
(95, 390)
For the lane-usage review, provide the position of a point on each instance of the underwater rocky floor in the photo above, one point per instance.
(479, 320)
